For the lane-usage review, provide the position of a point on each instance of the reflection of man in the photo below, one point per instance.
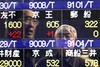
(64, 32)
(30, 24)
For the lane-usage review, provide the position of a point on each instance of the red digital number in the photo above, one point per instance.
(15, 34)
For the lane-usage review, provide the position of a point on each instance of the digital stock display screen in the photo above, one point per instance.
(49, 33)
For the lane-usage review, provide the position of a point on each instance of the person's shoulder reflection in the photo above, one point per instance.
(66, 32)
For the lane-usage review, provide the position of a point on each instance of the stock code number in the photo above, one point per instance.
(10, 63)
(41, 43)
(5, 44)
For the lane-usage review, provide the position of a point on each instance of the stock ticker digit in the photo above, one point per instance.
(50, 33)
(92, 63)
(52, 24)
(79, 4)
(96, 33)
(6, 5)
(12, 24)
(41, 43)
(15, 34)
(93, 25)
(52, 63)
(41, 5)
(5, 44)
(10, 63)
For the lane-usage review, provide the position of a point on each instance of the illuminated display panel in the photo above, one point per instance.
(49, 33)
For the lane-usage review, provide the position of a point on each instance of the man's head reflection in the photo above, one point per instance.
(29, 22)
(65, 32)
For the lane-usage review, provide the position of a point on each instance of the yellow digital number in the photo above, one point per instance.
(91, 24)
(96, 33)
(96, 63)
(14, 24)
(89, 62)
(52, 24)
(52, 63)
(10, 63)
(57, 63)
(1, 63)
(48, 63)
(5, 63)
